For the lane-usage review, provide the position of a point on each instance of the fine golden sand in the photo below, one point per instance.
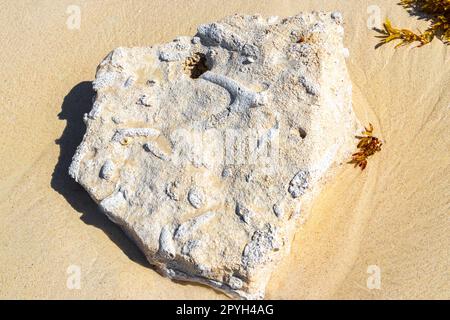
(394, 215)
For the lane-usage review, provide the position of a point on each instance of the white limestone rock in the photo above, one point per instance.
(208, 150)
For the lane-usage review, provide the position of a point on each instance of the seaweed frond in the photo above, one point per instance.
(405, 36)
(437, 12)
(433, 7)
(368, 145)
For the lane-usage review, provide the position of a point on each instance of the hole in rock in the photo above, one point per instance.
(195, 65)
(302, 133)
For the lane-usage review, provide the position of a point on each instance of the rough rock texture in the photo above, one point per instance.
(208, 150)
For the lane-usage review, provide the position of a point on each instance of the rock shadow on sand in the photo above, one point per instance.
(78, 102)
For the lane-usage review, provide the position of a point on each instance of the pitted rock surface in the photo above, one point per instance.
(208, 150)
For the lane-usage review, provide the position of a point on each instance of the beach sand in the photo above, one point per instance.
(394, 215)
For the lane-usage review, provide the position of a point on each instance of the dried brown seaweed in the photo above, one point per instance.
(368, 145)
(437, 12)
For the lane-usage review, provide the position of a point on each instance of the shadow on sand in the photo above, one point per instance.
(77, 103)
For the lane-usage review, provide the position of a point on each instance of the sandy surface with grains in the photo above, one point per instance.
(394, 215)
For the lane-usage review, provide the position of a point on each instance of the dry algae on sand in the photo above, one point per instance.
(368, 145)
(437, 12)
